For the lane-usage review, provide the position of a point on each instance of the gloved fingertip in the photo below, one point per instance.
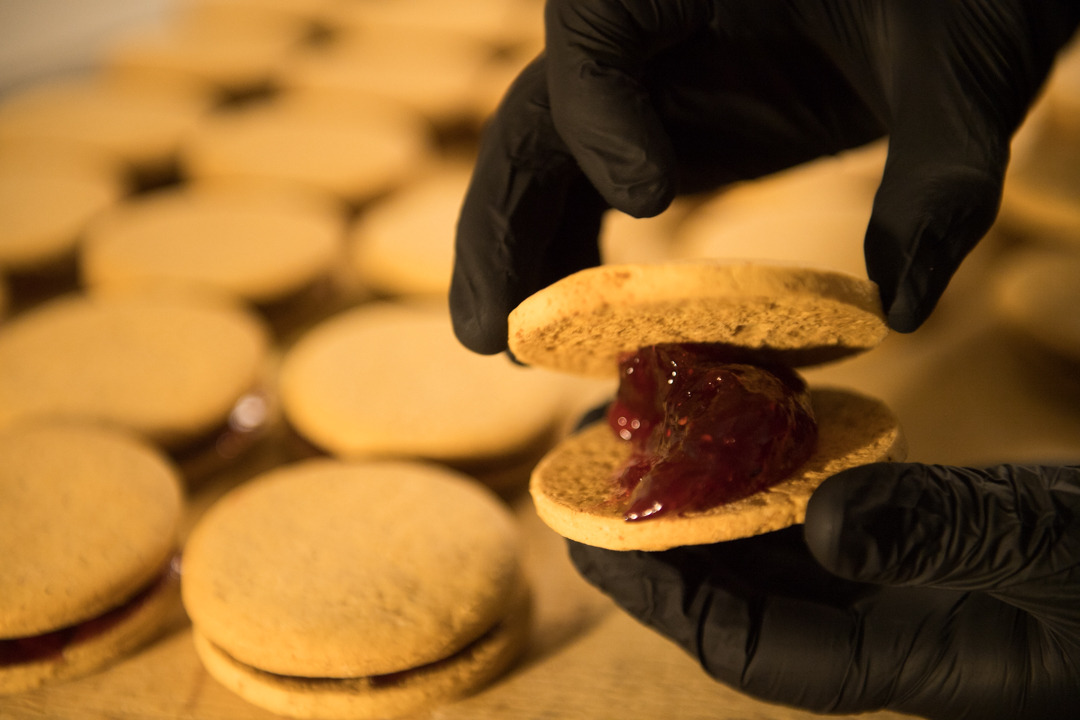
(478, 332)
(644, 199)
(824, 520)
(907, 313)
(856, 519)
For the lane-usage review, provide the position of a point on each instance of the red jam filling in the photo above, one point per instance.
(707, 428)
(51, 645)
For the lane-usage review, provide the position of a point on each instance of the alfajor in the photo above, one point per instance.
(256, 245)
(390, 380)
(331, 589)
(188, 374)
(89, 522)
(712, 435)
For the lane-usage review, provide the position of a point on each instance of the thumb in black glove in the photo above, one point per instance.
(940, 591)
(634, 102)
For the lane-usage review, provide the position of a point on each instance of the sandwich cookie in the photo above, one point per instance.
(353, 151)
(89, 521)
(712, 435)
(330, 589)
(388, 379)
(185, 374)
(258, 246)
(403, 245)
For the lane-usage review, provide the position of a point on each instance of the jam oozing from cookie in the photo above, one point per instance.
(52, 645)
(706, 428)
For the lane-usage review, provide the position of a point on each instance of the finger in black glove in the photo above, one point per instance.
(644, 100)
(940, 591)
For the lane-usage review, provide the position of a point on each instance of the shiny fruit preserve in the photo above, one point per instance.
(706, 427)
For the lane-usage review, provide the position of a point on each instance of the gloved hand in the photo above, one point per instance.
(634, 102)
(939, 591)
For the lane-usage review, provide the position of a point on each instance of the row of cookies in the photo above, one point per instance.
(209, 318)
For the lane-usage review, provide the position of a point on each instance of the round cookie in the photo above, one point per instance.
(390, 379)
(257, 246)
(1039, 201)
(228, 59)
(574, 496)
(431, 74)
(765, 315)
(168, 368)
(403, 245)
(349, 150)
(403, 590)
(815, 214)
(1036, 295)
(582, 323)
(89, 523)
(46, 206)
(496, 24)
(256, 13)
(134, 127)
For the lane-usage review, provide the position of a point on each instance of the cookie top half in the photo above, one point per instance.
(88, 516)
(798, 316)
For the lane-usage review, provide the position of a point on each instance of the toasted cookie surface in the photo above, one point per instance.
(576, 494)
(328, 569)
(89, 516)
(798, 316)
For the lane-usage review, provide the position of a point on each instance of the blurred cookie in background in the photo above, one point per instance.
(626, 239)
(310, 15)
(1035, 295)
(391, 380)
(185, 372)
(268, 247)
(403, 245)
(430, 73)
(88, 524)
(814, 215)
(1041, 199)
(352, 151)
(495, 24)
(137, 128)
(225, 59)
(48, 197)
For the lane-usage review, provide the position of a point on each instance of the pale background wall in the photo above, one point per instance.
(45, 37)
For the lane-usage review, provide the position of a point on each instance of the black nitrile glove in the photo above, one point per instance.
(634, 102)
(944, 592)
